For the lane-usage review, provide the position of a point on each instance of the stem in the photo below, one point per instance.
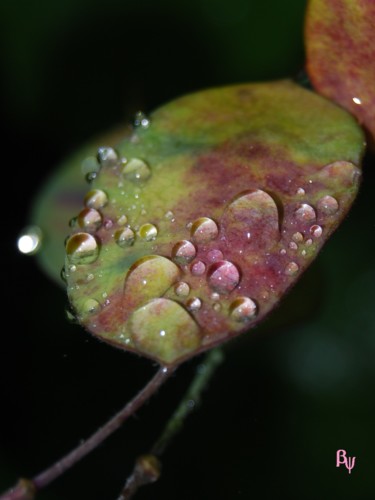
(20, 492)
(147, 467)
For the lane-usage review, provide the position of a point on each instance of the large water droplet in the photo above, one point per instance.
(183, 252)
(150, 277)
(124, 237)
(328, 205)
(223, 276)
(305, 213)
(96, 198)
(181, 333)
(148, 232)
(243, 309)
(136, 170)
(107, 157)
(30, 240)
(82, 248)
(89, 219)
(252, 219)
(182, 289)
(291, 269)
(141, 120)
(204, 230)
(346, 171)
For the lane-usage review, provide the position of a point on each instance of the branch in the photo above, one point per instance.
(147, 467)
(26, 489)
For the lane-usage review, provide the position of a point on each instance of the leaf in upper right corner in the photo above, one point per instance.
(340, 49)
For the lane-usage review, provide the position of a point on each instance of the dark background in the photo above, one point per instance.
(291, 392)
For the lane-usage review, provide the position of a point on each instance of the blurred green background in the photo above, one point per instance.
(291, 392)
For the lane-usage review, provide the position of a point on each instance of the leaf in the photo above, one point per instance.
(59, 201)
(198, 224)
(340, 49)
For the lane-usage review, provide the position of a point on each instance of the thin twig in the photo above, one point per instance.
(26, 489)
(147, 467)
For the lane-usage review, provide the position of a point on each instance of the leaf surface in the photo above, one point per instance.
(197, 225)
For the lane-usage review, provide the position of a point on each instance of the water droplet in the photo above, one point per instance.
(328, 205)
(243, 309)
(305, 213)
(91, 306)
(303, 253)
(124, 237)
(357, 101)
(252, 219)
(169, 216)
(72, 268)
(136, 170)
(183, 252)
(90, 166)
(82, 248)
(223, 276)
(198, 268)
(291, 269)
(216, 307)
(346, 171)
(29, 241)
(316, 231)
(283, 251)
(122, 220)
(297, 237)
(89, 219)
(150, 277)
(215, 296)
(141, 120)
(309, 242)
(293, 245)
(108, 224)
(96, 198)
(194, 304)
(204, 230)
(215, 255)
(73, 222)
(148, 232)
(182, 335)
(107, 157)
(300, 192)
(182, 289)
(91, 176)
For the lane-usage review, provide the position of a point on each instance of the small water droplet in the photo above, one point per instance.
(90, 166)
(148, 232)
(29, 241)
(215, 255)
(316, 231)
(136, 170)
(141, 120)
(96, 198)
(169, 216)
(182, 289)
(72, 268)
(183, 252)
(328, 205)
(243, 309)
(283, 251)
(91, 306)
(91, 176)
(198, 268)
(300, 192)
(309, 242)
(124, 237)
(73, 222)
(305, 213)
(216, 307)
(215, 296)
(90, 277)
(89, 219)
(107, 156)
(297, 237)
(291, 269)
(122, 220)
(357, 101)
(223, 276)
(204, 230)
(293, 245)
(194, 304)
(82, 248)
(303, 253)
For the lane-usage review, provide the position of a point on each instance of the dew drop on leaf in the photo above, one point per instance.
(82, 248)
